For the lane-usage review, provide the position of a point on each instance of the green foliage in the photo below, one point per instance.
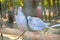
(46, 4)
(1, 1)
(8, 3)
(51, 2)
(20, 3)
(59, 2)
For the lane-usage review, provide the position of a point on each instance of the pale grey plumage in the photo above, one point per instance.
(21, 19)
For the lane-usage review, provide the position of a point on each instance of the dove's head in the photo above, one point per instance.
(20, 9)
(29, 18)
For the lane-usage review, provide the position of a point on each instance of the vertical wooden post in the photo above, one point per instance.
(1, 34)
(1, 26)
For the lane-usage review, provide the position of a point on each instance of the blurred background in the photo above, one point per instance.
(47, 10)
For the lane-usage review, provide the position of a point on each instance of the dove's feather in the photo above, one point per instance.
(36, 23)
(21, 19)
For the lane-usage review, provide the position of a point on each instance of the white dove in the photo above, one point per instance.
(21, 19)
(36, 23)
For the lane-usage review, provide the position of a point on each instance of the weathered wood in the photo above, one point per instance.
(40, 36)
(11, 31)
(31, 35)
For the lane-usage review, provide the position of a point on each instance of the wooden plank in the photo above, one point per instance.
(40, 36)
(31, 35)
(10, 31)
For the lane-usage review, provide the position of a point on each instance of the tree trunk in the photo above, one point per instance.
(28, 9)
(58, 5)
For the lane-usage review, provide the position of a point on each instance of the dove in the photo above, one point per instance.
(36, 23)
(21, 19)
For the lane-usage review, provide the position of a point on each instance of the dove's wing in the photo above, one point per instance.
(36, 23)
